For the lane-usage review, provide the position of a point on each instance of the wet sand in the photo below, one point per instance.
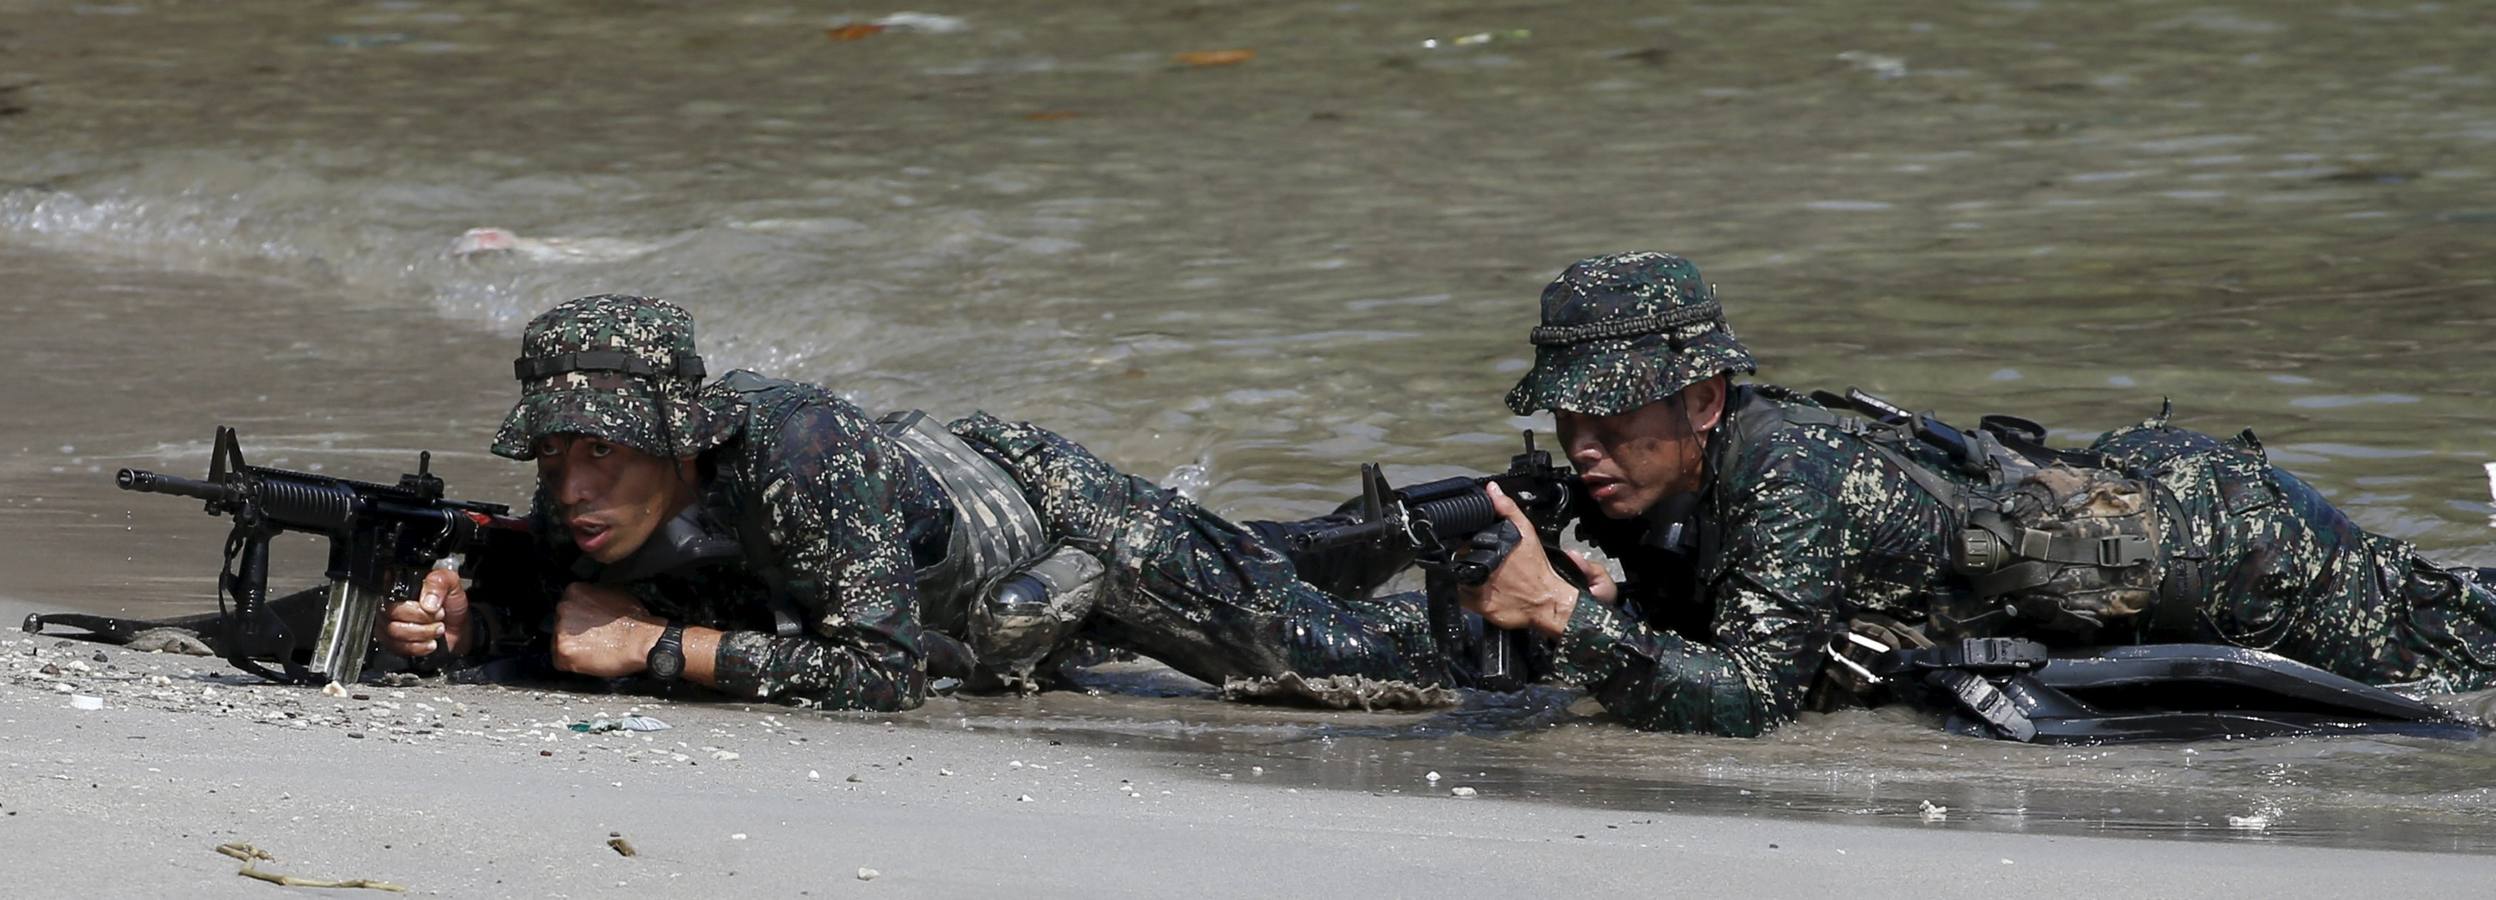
(480, 791)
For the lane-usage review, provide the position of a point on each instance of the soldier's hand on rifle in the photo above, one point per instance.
(437, 617)
(1524, 592)
(1599, 583)
(603, 632)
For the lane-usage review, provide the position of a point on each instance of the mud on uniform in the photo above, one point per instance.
(1808, 526)
(1804, 525)
(837, 518)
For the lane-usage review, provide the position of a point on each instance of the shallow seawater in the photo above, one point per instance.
(1860, 766)
(2280, 216)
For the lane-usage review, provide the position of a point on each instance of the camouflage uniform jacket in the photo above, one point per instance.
(1802, 528)
(835, 519)
(1805, 525)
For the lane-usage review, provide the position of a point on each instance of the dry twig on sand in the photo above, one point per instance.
(247, 853)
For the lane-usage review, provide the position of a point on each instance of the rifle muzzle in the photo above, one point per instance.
(147, 482)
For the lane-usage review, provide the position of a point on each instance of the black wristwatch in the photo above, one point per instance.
(667, 657)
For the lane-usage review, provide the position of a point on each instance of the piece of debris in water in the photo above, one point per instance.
(1881, 67)
(1208, 58)
(2491, 490)
(930, 23)
(480, 242)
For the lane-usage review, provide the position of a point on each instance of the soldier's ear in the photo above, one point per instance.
(1705, 403)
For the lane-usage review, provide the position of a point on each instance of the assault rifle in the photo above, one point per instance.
(1457, 538)
(382, 541)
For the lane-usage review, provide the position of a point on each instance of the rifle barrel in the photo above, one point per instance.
(147, 482)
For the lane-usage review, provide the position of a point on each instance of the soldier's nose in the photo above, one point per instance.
(573, 487)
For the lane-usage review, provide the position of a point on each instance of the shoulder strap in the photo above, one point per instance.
(1762, 412)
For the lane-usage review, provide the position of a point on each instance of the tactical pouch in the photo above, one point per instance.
(2065, 548)
(1030, 613)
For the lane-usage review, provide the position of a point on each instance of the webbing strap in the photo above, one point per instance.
(1932, 483)
(1761, 415)
(1992, 654)
(1987, 703)
(2110, 550)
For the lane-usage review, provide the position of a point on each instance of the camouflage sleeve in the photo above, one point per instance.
(1776, 594)
(831, 515)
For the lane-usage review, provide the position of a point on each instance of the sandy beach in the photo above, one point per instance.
(466, 791)
(1250, 277)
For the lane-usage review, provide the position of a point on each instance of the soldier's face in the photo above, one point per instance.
(612, 497)
(1631, 460)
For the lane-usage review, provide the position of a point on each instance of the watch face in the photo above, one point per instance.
(667, 658)
(666, 666)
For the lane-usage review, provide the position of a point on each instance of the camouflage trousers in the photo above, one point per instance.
(1199, 593)
(2269, 564)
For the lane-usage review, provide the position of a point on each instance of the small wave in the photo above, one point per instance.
(2335, 401)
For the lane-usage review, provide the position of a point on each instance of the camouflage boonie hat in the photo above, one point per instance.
(1622, 331)
(614, 367)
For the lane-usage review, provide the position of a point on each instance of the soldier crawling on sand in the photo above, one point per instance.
(1765, 536)
(871, 550)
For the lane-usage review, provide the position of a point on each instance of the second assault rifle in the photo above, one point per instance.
(1454, 534)
(382, 540)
